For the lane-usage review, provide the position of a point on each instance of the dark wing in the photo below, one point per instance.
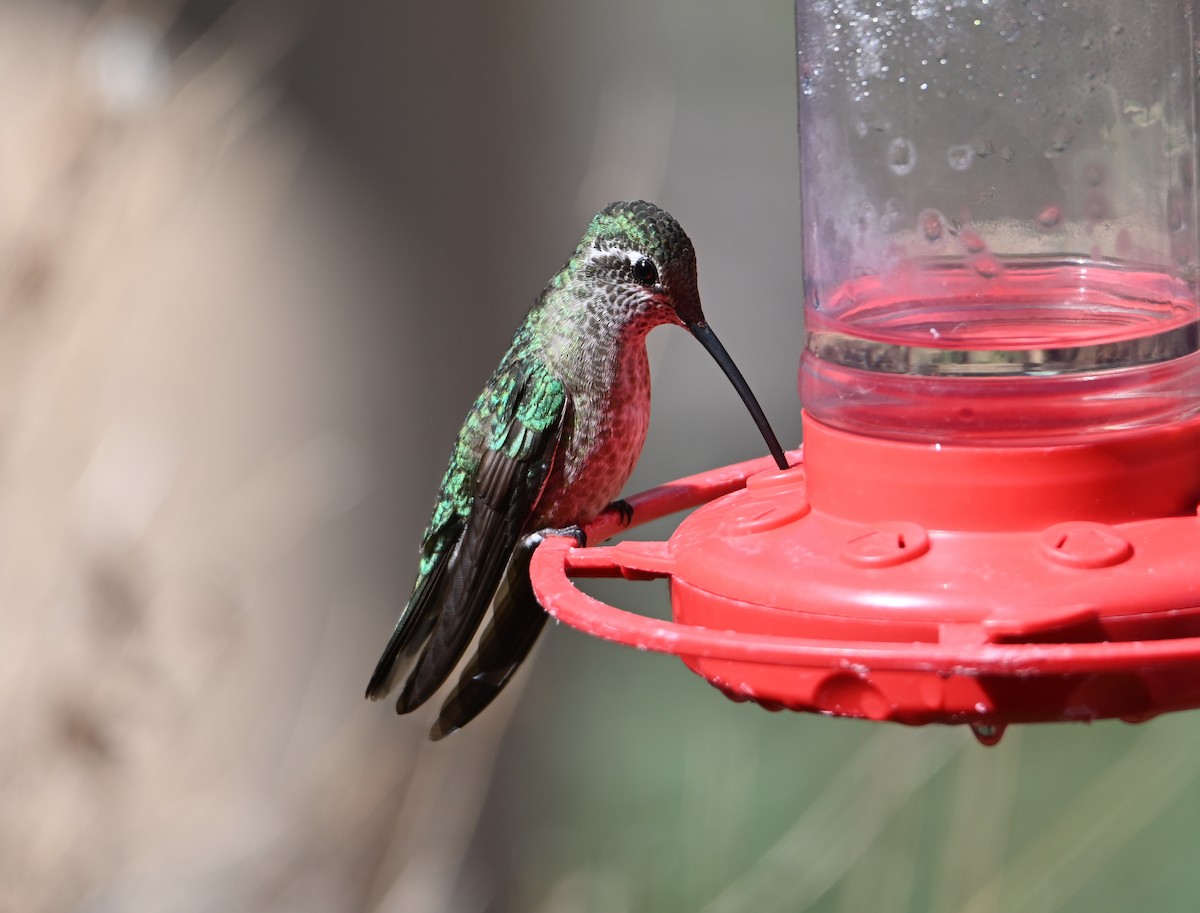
(508, 483)
(416, 622)
(517, 620)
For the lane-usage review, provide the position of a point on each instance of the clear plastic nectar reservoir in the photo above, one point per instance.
(999, 217)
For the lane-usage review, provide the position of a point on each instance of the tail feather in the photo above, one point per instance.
(415, 625)
(517, 620)
(505, 488)
(469, 590)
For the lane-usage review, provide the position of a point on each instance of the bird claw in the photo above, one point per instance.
(622, 508)
(533, 540)
(625, 509)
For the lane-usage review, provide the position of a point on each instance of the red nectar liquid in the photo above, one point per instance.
(1038, 351)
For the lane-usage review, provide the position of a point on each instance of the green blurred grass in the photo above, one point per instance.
(662, 795)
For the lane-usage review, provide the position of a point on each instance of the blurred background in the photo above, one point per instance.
(257, 257)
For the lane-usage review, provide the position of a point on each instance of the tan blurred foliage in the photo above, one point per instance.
(182, 471)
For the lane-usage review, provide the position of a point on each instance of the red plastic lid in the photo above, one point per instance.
(923, 583)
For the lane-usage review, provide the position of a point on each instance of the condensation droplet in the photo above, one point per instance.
(808, 75)
(1095, 206)
(1093, 173)
(987, 266)
(988, 734)
(960, 157)
(1174, 210)
(901, 156)
(984, 148)
(931, 224)
(866, 215)
(1059, 143)
(973, 242)
(1050, 216)
(1124, 243)
(893, 214)
(1007, 153)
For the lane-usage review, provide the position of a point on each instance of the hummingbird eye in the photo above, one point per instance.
(645, 272)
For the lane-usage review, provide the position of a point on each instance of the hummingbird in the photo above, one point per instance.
(547, 446)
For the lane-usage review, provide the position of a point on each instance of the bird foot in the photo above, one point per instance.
(625, 509)
(533, 540)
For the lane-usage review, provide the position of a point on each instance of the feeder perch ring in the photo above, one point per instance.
(846, 629)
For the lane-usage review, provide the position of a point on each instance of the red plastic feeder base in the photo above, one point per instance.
(922, 583)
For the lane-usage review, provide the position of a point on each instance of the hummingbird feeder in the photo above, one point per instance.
(994, 516)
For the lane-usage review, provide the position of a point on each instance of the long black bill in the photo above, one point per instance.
(708, 339)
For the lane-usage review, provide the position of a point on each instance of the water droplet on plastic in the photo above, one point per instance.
(1124, 243)
(808, 75)
(1007, 153)
(1059, 143)
(931, 224)
(987, 266)
(973, 242)
(988, 734)
(1174, 210)
(984, 148)
(866, 215)
(901, 156)
(1050, 216)
(893, 214)
(1093, 173)
(960, 157)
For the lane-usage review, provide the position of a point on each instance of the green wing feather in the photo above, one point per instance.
(475, 527)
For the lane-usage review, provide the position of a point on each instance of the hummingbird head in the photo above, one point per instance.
(643, 262)
(638, 261)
